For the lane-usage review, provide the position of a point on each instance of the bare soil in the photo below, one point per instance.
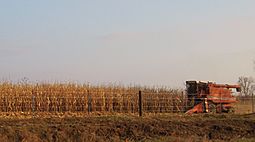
(167, 127)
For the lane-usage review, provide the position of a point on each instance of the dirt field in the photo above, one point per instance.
(159, 128)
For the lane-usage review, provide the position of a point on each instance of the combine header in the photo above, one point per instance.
(204, 97)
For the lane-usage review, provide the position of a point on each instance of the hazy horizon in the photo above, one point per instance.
(143, 42)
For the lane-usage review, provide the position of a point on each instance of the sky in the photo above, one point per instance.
(145, 42)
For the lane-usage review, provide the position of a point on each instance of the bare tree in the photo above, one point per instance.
(247, 85)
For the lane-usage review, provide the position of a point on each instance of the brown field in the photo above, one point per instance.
(172, 127)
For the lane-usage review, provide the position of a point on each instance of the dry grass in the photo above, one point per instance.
(244, 105)
(78, 98)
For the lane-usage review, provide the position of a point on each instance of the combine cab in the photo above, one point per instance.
(204, 97)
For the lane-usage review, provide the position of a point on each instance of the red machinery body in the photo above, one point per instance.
(206, 97)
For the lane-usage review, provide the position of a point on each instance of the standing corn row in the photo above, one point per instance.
(61, 98)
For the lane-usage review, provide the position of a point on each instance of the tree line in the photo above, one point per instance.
(247, 84)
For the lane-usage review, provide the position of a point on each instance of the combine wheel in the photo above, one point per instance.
(212, 107)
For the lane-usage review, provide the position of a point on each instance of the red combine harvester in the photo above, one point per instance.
(204, 97)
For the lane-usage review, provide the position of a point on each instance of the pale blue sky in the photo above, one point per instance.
(147, 42)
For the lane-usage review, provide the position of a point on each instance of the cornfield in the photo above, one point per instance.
(69, 97)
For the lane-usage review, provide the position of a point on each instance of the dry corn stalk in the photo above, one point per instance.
(84, 98)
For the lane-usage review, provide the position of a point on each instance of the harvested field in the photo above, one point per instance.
(131, 128)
